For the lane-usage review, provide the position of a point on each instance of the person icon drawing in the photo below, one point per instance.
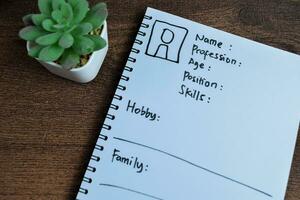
(166, 41)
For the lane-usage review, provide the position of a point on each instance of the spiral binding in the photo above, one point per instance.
(137, 41)
(117, 97)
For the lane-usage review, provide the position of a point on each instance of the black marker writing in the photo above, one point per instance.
(194, 94)
(200, 80)
(210, 41)
(131, 161)
(213, 55)
(142, 111)
(198, 65)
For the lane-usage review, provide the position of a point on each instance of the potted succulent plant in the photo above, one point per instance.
(68, 38)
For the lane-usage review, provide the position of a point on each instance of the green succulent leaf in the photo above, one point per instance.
(67, 12)
(57, 3)
(69, 59)
(27, 19)
(48, 39)
(37, 19)
(35, 50)
(59, 26)
(47, 24)
(45, 6)
(51, 53)
(71, 28)
(81, 8)
(97, 15)
(100, 5)
(99, 42)
(66, 40)
(30, 33)
(57, 15)
(73, 3)
(83, 45)
(82, 29)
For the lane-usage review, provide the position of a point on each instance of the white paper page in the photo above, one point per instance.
(192, 125)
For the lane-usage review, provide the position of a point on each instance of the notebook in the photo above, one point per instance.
(198, 114)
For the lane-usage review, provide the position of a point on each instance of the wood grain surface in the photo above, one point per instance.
(49, 125)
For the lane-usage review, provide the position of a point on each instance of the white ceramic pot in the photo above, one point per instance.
(85, 73)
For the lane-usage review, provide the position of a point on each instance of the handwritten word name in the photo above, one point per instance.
(210, 41)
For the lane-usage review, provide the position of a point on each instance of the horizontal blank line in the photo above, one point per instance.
(195, 165)
(130, 190)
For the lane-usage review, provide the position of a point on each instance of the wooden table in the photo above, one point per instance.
(48, 125)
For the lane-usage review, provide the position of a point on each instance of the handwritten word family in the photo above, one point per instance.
(129, 161)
